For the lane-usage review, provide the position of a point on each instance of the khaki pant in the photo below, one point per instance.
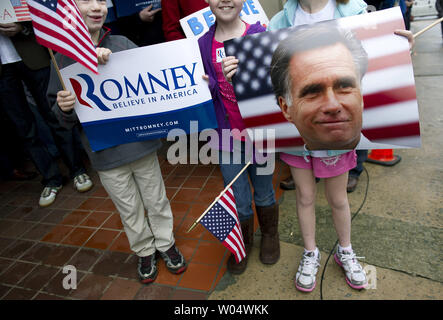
(133, 188)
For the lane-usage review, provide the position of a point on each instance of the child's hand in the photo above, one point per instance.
(103, 55)
(148, 15)
(66, 100)
(408, 35)
(229, 66)
(10, 29)
(205, 77)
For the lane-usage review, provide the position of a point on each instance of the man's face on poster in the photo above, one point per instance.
(327, 103)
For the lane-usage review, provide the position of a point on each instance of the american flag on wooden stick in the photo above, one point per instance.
(21, 10)
(222, 221)
(390, 116)
(59, 26)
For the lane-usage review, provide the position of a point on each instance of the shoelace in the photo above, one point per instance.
(309, 263)
(173, 255)
(81, 178)
(47, 191)
(146, 261)
(350, 259)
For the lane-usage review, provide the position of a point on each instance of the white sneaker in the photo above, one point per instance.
(307, 271)
(48, 196)
(82, 182)
(355, 275)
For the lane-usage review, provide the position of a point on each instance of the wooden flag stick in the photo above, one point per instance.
(218, 198)
(56, 68)
(428, 27)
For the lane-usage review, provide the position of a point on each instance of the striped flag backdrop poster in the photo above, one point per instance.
(21, 10)
(390, 114)
(14, 11)
(222, 221)
(58, 25)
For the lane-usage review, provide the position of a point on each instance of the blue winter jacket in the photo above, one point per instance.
(285, 18)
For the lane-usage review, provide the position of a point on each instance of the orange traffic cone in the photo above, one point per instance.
(384, 157)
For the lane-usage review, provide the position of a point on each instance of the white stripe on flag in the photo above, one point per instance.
(232, 246)
(238, 230)
(240, 241)
(229, 200)
(391, 115)
(63, 45)
(66, 35)
(73, 11)
(79, 21)
(237, 244)
(376, 81)
(385, 45)
(373, 20)
(259, 106)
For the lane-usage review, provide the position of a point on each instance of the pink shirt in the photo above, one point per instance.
(226, 89)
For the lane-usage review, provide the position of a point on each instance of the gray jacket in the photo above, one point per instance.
(108, 158)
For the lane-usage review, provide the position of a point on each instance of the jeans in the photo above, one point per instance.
(362, 155)
(44, 132)
(263, 189)
(14, 103)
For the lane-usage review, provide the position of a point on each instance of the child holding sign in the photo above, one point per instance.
(129, 172)
(306, 165)
(229, 25)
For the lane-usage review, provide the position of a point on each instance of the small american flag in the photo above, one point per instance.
(21, 10)
(222, 221)
(59, 25)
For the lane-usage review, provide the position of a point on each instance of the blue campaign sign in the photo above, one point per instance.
(196, 24)
(129, 7)
(136, 98)
(147, 127)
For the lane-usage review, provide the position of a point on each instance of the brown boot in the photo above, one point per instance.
(288, 183)
(247, 228)
(270, 242)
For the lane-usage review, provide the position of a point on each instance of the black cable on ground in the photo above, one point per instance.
(336, 242)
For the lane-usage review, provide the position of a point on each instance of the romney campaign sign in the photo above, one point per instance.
(390, 117)
(142, 94)
(196, 24)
